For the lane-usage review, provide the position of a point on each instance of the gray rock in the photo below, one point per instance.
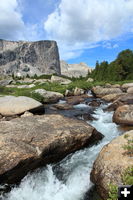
(10, 105)
(5, 82)
(100, 91)
(31, 58)
(62, 81)
(74, 70)
(78, 91)
(31, 142)
(49, 96)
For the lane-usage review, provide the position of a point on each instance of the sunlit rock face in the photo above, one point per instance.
(21, 58)
(74, 70)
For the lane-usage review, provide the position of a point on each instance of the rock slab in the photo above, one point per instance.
(11, 105)
(31, 142)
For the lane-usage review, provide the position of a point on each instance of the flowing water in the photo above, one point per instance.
(70, 178)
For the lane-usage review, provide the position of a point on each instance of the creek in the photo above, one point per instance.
(68, 179)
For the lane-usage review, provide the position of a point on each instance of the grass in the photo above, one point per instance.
(56, 87)
(127, 179)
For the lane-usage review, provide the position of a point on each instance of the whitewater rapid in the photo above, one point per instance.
(70, 178)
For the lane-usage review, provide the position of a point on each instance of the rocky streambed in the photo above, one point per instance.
(66, 128)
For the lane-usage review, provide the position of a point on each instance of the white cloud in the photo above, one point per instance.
(109, 45)
(87, 22)
(11, 23)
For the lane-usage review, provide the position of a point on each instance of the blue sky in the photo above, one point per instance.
(85, 30)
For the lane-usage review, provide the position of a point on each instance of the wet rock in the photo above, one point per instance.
(11, 105)
(110, 164)
(95, 103)
(63, 106)
(124, 115)
(31, 142)
(73, 100)
(49, 96)
(100, 91)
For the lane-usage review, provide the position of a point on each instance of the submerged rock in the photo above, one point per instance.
(110, 164)
(31, 142)
(11, 105)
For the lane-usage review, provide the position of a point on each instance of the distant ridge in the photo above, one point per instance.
(74, 70)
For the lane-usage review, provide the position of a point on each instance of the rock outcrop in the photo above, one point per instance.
(11, 105)
(31, 142)
(21, 58)
(124, 115)
(74, 70)
(110, 164)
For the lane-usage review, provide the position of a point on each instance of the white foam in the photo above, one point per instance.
(44, 185)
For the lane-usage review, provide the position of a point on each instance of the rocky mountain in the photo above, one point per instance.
(31, 58)
(74, 70)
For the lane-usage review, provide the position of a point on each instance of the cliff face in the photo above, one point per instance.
(29, 57)
(74, 70)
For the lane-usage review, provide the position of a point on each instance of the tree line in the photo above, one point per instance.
(118, 70)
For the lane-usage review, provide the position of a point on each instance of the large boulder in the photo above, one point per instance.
(110, 164)
(124, 115)
(100, 91)
(60, 80)
(112, 97)
(49, 96)
(11, 105)
(31, 142)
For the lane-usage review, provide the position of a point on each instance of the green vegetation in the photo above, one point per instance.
(129, 146)
(118, 70)
(113, 192)
(21, 92)
(127, 179)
